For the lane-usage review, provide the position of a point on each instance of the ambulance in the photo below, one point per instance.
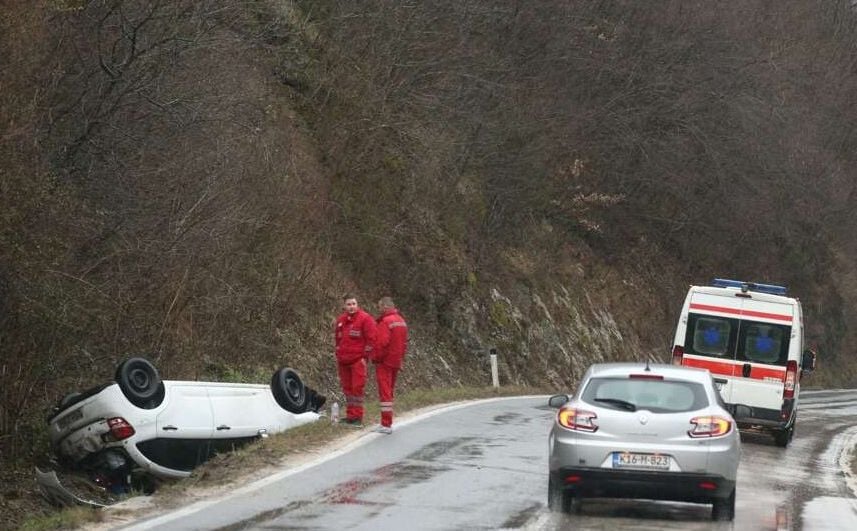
(750, 337)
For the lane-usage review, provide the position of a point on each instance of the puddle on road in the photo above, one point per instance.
(506, 418)
(417, 467)
(522, 517)
(349, 492)
(400, 473)
(265, 516)
(511, 418)
(464, 446)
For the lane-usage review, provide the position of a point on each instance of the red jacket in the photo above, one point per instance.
(391, 339)
(355, 336)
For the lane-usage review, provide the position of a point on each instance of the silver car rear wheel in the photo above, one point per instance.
(723, 509)
(559, 500)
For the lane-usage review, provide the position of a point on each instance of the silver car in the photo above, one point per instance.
(636, 430)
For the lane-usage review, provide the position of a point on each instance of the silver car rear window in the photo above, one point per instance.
(658, 396)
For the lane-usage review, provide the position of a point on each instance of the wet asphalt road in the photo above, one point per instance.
(484, 466)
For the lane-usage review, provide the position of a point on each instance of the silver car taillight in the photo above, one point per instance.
(577, 419)
(709, 426)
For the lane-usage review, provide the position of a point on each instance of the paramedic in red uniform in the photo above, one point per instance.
(355, 338)
(391, 343)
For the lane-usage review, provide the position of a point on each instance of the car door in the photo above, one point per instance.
(240, 410)
(187, 414)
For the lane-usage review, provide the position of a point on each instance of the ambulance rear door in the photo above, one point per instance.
(762, 353)
(713, 323)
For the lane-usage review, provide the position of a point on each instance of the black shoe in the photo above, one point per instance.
(355, 423)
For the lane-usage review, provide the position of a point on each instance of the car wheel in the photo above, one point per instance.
(139, 381)
(289, 391)
(723, 509)
(782, 438)
(559, 500)
(575, 503)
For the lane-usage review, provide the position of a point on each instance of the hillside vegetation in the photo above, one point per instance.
(199, 181)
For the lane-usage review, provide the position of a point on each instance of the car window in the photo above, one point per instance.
(744, 340)
(187, 454)
(660, 396)
(764, 342)
(710, 336)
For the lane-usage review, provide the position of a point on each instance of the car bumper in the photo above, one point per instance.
(675, 486)
(768, 418)
(709, 457)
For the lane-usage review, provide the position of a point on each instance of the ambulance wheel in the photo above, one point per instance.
(782, 438)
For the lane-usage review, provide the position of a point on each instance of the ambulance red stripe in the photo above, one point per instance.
(739, 311)
(713, 366)
(734, 368)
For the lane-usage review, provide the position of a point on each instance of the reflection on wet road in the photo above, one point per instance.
(484, 466)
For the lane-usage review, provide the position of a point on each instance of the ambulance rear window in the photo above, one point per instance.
(764, 342)
(711, 335)
(738, 339)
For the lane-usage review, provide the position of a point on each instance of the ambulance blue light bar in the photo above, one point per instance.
(749, 286)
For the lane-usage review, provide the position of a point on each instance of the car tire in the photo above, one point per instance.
(723, 509)
(289, 391)
(139, 381)
(782, 438)
(559, 500)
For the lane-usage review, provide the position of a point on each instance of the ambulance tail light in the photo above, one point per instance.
(790, 381)
(678, 354)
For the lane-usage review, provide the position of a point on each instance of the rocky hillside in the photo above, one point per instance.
(199, 181)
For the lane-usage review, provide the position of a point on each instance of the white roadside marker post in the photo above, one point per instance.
(495, 378)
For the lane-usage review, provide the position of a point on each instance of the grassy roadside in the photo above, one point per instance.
(244, 464)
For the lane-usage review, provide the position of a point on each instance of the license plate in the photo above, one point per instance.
(65, 421)
(635, 460)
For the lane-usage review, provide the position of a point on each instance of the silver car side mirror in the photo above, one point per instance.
(557, 401)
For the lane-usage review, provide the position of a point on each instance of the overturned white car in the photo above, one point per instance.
(166, 428)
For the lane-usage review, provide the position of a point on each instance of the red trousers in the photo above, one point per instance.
(352, 377)
(386, 378)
